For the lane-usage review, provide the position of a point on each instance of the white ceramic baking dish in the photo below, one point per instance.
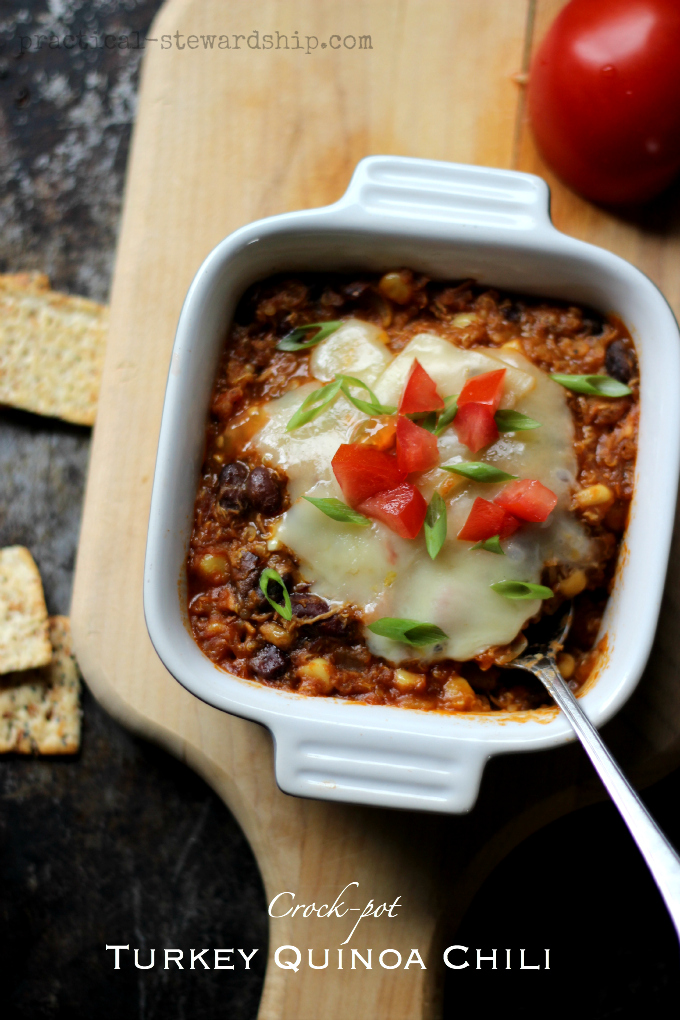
(449, 221)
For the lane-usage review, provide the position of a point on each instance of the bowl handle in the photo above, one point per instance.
(477, 197)
(378, 765)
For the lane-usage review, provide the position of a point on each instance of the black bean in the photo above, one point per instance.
(231, 492)
(264, 492)
(594, 323)
(354, 657)
(274, 590)
(306, 606)
(619, 361)
(246, 573)
(513, 313)
(269, 663)
(288, 579)
(331, 299)
(333, 626)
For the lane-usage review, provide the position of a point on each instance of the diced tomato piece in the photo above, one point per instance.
(362, 471)
(509, 526)
(486, 389)
(527, 499)
(420, 393)
(475, 426)
(484, 521)
(402, 509)
(416, 447)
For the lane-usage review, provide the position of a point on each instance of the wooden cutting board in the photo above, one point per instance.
(225, 136)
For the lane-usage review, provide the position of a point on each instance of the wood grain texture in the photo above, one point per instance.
(224, 137)
(645, 736)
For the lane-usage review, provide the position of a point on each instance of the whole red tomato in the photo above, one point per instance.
(604, 97)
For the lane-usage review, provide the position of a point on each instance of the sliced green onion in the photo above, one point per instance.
(426, 421)
(491, 545)
(435, 525)
(409, 632)
(314, 404)
(522, 590)
(339, 511)
(368, 407)
(479, 472)
(593, 385)
(436, 421)
(295, 341)
(285, 610)
(447, 415)
(514, 421)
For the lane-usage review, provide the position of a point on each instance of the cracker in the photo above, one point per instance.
(24, 638)
(40, 708)
(51, 349)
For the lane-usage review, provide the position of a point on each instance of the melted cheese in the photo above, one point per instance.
(384, 575)
(305, 454)
(348, 564)
(357, 348)
(449, 366)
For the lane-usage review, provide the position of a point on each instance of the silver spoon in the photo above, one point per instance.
(662, 860)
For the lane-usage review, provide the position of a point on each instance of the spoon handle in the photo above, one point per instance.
(661, 858)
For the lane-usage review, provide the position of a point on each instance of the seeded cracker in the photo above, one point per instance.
(40, 708)
(51, 349)
(24, 638)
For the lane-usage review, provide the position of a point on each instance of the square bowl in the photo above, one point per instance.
(448, 221)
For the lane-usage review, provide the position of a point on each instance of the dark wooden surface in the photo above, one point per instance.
(124, 844)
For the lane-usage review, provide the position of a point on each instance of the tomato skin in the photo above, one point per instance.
(417, 448)
(363, 470)
(420, 393)
(509, 526)
(527, 499)
(486, 389)
(402, 509)
(604, 97)
(475, 426)
(484, 521)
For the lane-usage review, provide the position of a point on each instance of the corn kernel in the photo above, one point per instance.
(212, 567)
(406, 681)
(315, 669)
(512, 345)
(452, 483)
(315, 676)
(459, 694)
(276, 635)
(464, 319)
(593, 495)
(397, 287)
(573, 585)
(213, 628)
(566, 664)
